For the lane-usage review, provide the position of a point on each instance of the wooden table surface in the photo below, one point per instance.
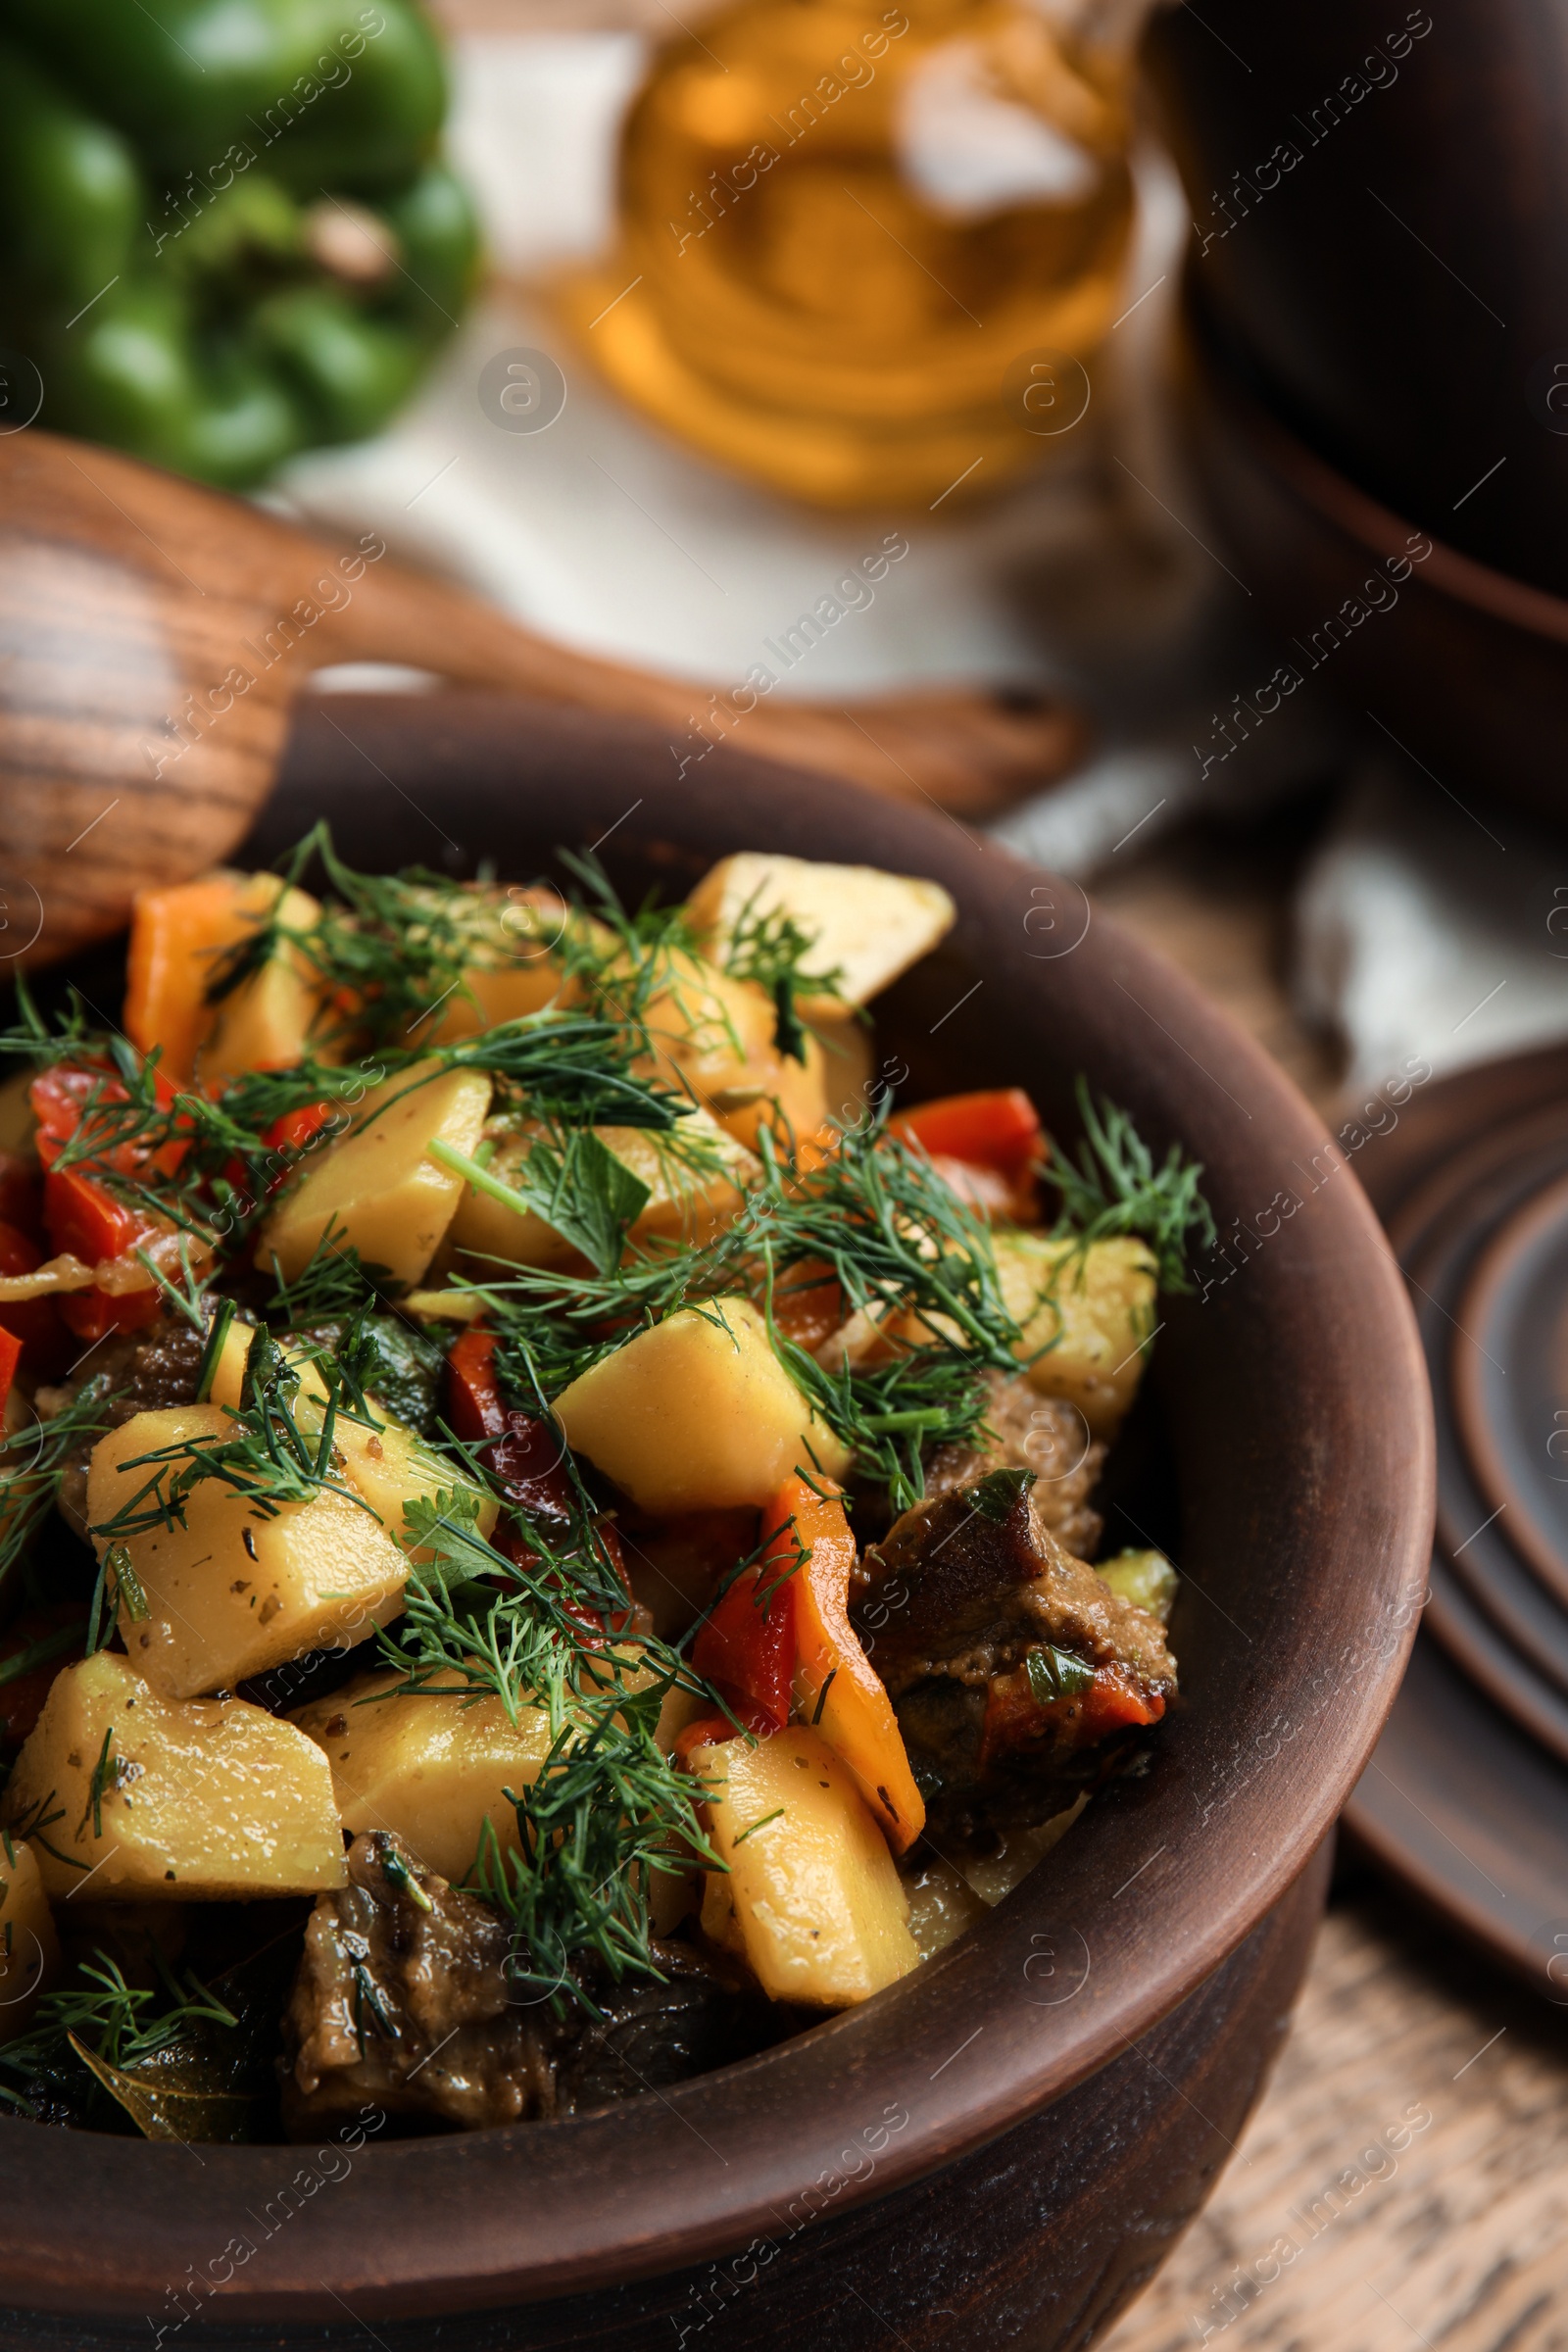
(1321, 2237)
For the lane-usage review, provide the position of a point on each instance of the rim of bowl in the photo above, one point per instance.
(542, 2210)
(1355, 511)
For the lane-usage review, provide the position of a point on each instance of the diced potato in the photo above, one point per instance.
(232, 1593)
(265, 1023)
(696, 1414)
(1144, 1577)
(29, 1948)
(392, 1467)
(684, 1203)
(848, 1065)
(229, 1373)
(819, 1905)
(869, 925)
(430, 1769)
(198, 1800)
(516, 968)
(378, 1189)
(1096, 1305)
(713, 1036)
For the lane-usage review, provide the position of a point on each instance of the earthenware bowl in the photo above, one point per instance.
(1462, 667)
(1002, 2147)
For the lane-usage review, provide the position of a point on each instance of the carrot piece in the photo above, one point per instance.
(745, 1647)
(836, 1684)
(174, 936)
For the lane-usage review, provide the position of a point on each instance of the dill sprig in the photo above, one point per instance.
(119, 2024)
(608, 1809)
(771, 949)
(899, 1242)
(606, 1815)
(1114, 1186)
(278, 1447)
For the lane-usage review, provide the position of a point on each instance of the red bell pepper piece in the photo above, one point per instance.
(92, 1314)
(298, 1128)
(745, 1647)
(10, 1357)
(996, 1129)
(21, 1197)
(808, 1303)
(87, 1218)
(474, 1406)
(529, 1461)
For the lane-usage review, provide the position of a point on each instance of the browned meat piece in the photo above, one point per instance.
(1001, 1651)
(1042, 1434)
(138, 1372)
(402, 2000)
(415, 2004)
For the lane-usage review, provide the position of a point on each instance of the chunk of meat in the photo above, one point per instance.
(402, 2000)
(1005, 1657)
(409, 1996)
(137, 1372)
(1030, 1432)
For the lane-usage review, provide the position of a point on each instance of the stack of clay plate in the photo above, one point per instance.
(1466, 1798)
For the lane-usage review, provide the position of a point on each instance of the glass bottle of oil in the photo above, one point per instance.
(862, 248)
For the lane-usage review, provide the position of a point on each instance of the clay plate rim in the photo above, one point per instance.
(1519, 1236)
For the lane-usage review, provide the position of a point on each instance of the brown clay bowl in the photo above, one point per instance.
(1462, 667)
(1002, 2147)
(1379, 198)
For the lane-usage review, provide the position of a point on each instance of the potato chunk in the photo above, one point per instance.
(198, 1800)
(518, 966)
(685, 1203)
(29, 1948)
(819, 1908)
(378, 1189)
(232, 1593)
(868, 926)
(1097, 1308)
(713, 1036)
(265, 1023)
(696, 1414)
(430, 1769)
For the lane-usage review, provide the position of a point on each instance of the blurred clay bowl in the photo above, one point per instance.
(1465, 668)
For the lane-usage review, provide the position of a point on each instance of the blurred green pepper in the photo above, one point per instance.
(225, 231)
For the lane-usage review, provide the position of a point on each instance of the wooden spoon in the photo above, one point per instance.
(154, 635)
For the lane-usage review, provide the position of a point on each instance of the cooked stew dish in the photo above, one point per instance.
(547, 1514)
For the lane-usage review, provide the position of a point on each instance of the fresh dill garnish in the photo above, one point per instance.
(1115, 1188)
(608, 1814)
(278, 1447)
(334, 1281)
(119, 2024)
(117, 1586)
(772, 950)
(898, 1241)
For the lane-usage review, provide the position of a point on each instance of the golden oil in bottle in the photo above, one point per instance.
(849, 233)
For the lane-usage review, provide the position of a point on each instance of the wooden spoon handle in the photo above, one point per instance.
(972, 753)
(154, 636)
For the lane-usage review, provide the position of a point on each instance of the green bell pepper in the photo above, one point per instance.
(226, 231)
